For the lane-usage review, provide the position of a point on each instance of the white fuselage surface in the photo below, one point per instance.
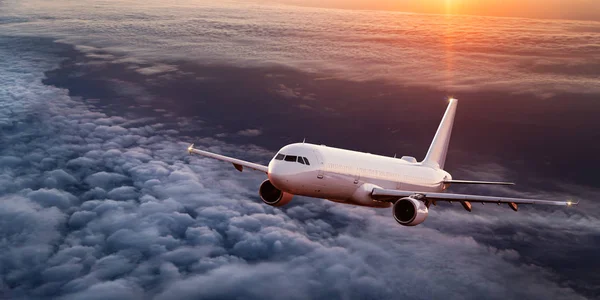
(349, 176)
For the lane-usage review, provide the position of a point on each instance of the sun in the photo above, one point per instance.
(448, 6)
(451, 6)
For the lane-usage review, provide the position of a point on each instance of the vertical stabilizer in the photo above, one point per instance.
(436, 156)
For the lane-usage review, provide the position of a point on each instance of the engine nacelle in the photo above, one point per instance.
(273, 196)
(410, 212)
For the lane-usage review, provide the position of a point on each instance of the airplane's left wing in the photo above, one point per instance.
(237, 163)
(392, 195)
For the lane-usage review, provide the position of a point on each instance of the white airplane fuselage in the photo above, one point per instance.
(349, 176)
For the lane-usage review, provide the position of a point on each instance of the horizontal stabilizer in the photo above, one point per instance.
(477, 182)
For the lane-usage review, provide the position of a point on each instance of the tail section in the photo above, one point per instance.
(436, 156)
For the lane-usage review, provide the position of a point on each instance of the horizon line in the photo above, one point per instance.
(436, 14)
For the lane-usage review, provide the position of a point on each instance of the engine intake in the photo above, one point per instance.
(409, 211)
(273, 196)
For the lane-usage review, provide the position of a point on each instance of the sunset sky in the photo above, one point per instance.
(553, 9)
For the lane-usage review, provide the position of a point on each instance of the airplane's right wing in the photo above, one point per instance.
(393, 195)
(237, 163)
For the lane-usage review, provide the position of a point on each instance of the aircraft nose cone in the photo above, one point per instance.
(280, 174)
(275, 173)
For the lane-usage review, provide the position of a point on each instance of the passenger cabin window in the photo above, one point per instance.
(290, 158)
(301, 159)
(279, 156)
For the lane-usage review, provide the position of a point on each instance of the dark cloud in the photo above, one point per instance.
(293, 93)
(250, 132)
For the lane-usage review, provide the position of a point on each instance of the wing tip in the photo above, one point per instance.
(190, 148)
(477, 182)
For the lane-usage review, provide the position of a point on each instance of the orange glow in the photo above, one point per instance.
(555, 9)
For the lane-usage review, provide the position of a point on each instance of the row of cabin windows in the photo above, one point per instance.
(300, 159)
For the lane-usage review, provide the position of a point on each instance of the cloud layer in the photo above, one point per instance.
(97, 203)
(96, 206)
(451, 54)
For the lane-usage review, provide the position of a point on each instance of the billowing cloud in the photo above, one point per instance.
(142, 219)
(98, 206)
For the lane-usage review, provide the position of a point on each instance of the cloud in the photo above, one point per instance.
(113, 207)
(59, 178)
(293, 93)
(52, 197)
(156, 69)
(105, 180)
(453, 55)
(250, 132)
(118, 289)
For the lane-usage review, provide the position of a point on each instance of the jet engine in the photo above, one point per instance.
(409, 211)
(273, 196)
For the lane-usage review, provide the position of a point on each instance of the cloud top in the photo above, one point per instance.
(452, 54)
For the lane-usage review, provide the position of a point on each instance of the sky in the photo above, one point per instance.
(550, 9)
(99, 198)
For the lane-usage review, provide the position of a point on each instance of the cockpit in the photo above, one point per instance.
(293, 158)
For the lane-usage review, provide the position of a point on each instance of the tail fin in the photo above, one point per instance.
(436, 156)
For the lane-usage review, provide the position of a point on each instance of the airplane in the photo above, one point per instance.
(364, 179)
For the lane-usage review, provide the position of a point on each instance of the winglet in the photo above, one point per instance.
(436, 155)
(190, 148)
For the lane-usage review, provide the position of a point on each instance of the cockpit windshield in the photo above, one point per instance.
(293, 158)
